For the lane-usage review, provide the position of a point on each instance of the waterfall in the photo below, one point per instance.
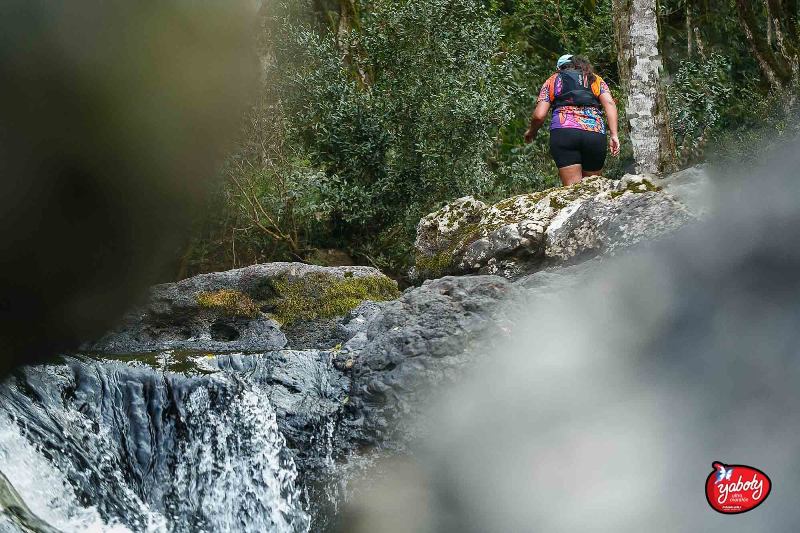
(112, 446)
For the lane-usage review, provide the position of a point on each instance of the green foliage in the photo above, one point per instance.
(543, 30)
(716, 116)
(372, 113)
(699, 100)
(770, 125)
(400, 113)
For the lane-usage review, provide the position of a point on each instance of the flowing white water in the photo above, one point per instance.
(233, 472)
(145, 453)
(44, 488)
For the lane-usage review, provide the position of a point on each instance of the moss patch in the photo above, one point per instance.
(178, 361)
(643, 186)
(561, 197)
(434, 265)
(318, 295)
(439, 264)
(530, 198)
(513, 209)
(228, 301)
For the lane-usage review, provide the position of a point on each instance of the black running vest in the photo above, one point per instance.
(576, 90)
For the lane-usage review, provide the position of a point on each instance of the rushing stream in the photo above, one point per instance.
(107, 445)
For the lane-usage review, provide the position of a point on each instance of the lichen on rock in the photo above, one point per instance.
(440, 235)
(519, 234)
(634, 183)
(469, 236)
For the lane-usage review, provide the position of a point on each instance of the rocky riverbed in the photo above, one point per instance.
(336, 358)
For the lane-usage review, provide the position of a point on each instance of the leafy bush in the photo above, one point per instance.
(699, 99)
(398, 114)
(728, 121)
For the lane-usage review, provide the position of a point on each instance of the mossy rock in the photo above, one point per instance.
(434, 266)
(229, 302)
(458, 230)
(439, 264)
(319, 295)
(636, 187)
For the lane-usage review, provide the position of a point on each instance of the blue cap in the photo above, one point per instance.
(563, 60)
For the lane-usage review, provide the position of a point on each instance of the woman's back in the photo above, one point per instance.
(577, 115)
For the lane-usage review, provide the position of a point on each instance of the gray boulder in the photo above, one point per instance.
(424, 338)
(532, 231)
(252, 309)
(692, 187)
(603, 226)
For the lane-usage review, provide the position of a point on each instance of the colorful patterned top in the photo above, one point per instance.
(576, 117)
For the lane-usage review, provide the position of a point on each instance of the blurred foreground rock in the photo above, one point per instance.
(113, 119)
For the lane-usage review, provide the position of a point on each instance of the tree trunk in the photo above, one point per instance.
(349, 19)
(769, 23)
(689, 29)
(640, 69)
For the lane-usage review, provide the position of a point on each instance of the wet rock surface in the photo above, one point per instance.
(158, 450)
(147, 416)
(371, 366)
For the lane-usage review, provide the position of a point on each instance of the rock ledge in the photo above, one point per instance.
(525, 233)
(257, 308)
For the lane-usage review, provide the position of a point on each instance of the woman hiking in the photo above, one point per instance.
(578, 141)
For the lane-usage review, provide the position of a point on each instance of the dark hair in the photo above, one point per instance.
(582, 64)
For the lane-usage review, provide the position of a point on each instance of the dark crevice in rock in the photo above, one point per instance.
(221, 331)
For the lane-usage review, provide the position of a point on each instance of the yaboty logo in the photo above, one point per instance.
(734, 489)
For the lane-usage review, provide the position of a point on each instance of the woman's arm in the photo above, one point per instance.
(537, 120)
(610, 109)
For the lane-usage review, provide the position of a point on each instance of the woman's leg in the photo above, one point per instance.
(565, 148)
(571, 175)
(594, 147)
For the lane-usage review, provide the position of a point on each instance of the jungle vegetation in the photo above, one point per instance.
(372, 113)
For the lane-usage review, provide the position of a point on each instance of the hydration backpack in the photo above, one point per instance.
(575, 90)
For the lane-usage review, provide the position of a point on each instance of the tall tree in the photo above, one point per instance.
(640, 69)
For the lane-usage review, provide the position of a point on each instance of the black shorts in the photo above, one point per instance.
(571, 146)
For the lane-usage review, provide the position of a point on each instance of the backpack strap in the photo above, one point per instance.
(576, 91)
(596, 85)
